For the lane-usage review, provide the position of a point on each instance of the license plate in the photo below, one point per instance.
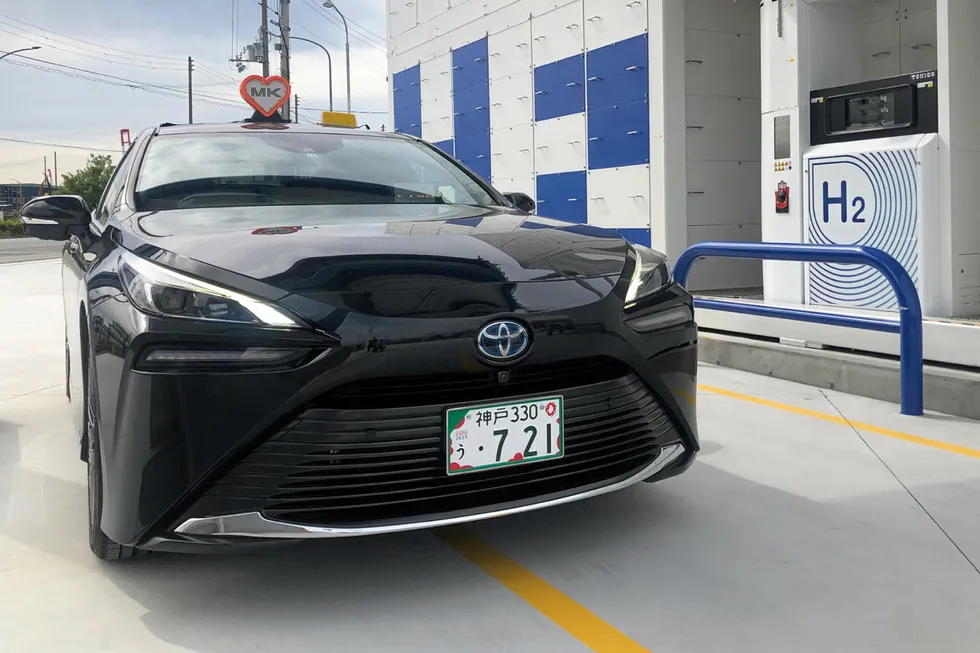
(504, 434)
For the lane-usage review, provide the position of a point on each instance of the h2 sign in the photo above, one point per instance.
(857, 203)
(842, 200)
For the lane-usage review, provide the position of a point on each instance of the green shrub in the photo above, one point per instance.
(11, 228)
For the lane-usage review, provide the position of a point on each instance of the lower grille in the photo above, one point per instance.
(348, 466)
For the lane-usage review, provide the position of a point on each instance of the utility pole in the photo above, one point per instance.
(296, 112)
(190, 91)
(55, 169)
(264, 37)
(284, 48)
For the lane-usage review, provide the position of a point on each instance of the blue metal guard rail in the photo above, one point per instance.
(909, 326)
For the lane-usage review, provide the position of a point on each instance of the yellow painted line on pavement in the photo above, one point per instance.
(837, 419)
(580, 623)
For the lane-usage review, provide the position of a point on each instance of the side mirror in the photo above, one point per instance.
(521, 201)
(55, 217)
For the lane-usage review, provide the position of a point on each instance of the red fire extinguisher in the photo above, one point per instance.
(782, 197)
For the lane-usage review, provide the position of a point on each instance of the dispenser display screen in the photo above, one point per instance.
(882, 109)
(894, 106)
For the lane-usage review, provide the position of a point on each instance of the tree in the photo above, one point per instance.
(90, 181)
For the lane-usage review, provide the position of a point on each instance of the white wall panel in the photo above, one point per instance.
(722, 16)
(722, 192)
(557, 34)
(436, 77)
(510, 51)
(710, 69)
(608, 21)
(722, 128)
(429, 9)
(559, 144)
(510, 101)
(717, 273)
(524, 185)
(722, 106)
(512, 149)
(881, 10)
(437, 119)
(620, 197)
(402, 16)
(881, 49)
(919, 41)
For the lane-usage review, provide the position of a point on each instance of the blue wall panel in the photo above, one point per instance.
(618, 73)
(619, 135)
(409, 120)
(473, 151)
(471, 110)
(446, 146)
(407, 101)
(563, 196)
(559, 88)
(471, 107)
(470, 67)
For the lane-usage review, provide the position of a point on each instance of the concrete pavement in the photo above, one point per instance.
(14, 250)
(813, 521)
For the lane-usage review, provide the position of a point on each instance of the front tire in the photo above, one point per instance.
(103, 547)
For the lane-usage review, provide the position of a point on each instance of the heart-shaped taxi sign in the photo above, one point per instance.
(265, 94)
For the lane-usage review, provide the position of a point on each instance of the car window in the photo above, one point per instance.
(282, 167)
(114, 189)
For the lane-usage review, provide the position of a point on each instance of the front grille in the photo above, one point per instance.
(381, 457)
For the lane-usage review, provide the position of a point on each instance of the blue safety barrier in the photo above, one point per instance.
(909, 326)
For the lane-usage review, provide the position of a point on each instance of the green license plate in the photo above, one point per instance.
(504, 434)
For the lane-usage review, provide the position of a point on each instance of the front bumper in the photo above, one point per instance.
(238, 458)
(256, 525)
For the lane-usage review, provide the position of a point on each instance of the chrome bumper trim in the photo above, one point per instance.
(253, 524)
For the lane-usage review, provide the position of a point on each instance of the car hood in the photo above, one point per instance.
(355, 255)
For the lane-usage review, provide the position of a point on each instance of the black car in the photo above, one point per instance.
(284, 331)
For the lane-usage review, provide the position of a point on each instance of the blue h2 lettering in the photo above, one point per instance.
(857, 202)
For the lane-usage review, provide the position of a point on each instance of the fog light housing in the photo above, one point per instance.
(177, 358)
(663, 319)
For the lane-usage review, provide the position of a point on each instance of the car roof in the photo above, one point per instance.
(236, 127)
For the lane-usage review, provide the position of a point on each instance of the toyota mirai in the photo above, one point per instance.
(276, 332)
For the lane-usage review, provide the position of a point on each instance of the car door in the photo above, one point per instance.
(79, 255)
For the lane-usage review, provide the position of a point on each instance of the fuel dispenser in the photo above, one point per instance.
(871, 177)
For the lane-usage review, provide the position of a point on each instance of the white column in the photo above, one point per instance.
(668, 146)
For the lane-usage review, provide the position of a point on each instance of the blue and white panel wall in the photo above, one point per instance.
(542, 97)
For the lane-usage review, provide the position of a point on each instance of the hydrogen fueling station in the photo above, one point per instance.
(810, 169)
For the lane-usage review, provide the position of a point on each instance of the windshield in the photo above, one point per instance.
(283, 167)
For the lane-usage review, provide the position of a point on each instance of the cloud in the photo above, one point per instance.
(143, 47)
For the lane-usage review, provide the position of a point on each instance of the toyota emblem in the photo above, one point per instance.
(503, 341)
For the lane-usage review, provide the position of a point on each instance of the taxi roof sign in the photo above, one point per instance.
(338, 119)
(265, 94)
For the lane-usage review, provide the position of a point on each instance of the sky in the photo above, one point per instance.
(106, 65)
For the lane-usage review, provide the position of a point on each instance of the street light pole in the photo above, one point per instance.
(329, 64)
(7, 54)
(330, 5)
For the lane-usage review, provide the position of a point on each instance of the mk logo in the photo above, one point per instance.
(266, 91)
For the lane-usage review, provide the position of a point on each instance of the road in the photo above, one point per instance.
(15, 250)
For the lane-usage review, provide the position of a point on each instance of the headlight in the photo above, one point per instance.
(650, 275)
(160, 291)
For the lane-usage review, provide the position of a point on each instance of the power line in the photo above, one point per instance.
(117, 60)
(112, 80)
(103, 48)
(322, 38)
(354, 32)
(159, 89)
(59, 145)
